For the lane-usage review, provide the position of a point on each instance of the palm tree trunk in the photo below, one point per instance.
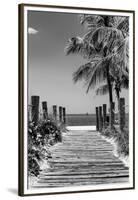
(110, 97)
(118, 101)
(109, 87)
(118, 98)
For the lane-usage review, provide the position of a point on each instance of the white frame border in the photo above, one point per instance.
(78, 188)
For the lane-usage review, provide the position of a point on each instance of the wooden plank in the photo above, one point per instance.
(64, 173)
(74, 180)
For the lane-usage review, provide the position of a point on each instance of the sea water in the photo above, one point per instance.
(81, 119)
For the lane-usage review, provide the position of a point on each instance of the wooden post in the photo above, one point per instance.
(35, 108)
(104, 115)
(97, 119)
(55, 112)
(60, 113)
(112, 115)
(100, 118)
(44, 107)
(122, 114)
(107, 119)
(64, 115)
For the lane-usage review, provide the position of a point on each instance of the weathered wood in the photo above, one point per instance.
(100, 118)
(35, 108)
(112, 115)
(81, 182)
(85, 172)
(60, 114)
(73, 164)
(104, 115)
(107, 119)
(55, 112)
(122, 114)
(64, 115)
(45, 110)
(97, 119)
(74, 176)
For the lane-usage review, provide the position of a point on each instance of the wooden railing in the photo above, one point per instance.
(58, 113)
(103, 119)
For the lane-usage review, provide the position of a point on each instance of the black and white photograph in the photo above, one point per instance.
(76, 71)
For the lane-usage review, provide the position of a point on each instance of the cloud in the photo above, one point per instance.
(32, 31)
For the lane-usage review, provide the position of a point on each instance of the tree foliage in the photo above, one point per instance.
(106, 43)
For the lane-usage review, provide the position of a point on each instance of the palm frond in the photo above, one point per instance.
(102, 90)
(96, 75)
(125, 73)
(105, 36)
(92, 73)
(74, 45)
(121, 55)
(79, 46)
(115, 21)
(82, 72)
(124, 25)
(125, 84)
(92, 21)
(125, 80)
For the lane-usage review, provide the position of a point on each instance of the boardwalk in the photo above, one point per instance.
(83, 158)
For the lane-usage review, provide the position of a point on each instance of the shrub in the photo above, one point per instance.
(121, 138)
(123, 142)
(45, 133)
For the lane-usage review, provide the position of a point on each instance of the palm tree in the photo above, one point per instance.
(119, 80)
(102, 46)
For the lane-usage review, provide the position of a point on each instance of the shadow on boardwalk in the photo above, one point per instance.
(83, 158)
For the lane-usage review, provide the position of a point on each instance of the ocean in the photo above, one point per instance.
(81, 119)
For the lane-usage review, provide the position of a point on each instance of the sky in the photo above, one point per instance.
(50, 70)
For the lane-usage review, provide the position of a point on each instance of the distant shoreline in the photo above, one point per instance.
(81, 119)
(80, 114)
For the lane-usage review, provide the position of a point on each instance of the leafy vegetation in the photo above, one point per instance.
(121, 139)
(40, 137)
